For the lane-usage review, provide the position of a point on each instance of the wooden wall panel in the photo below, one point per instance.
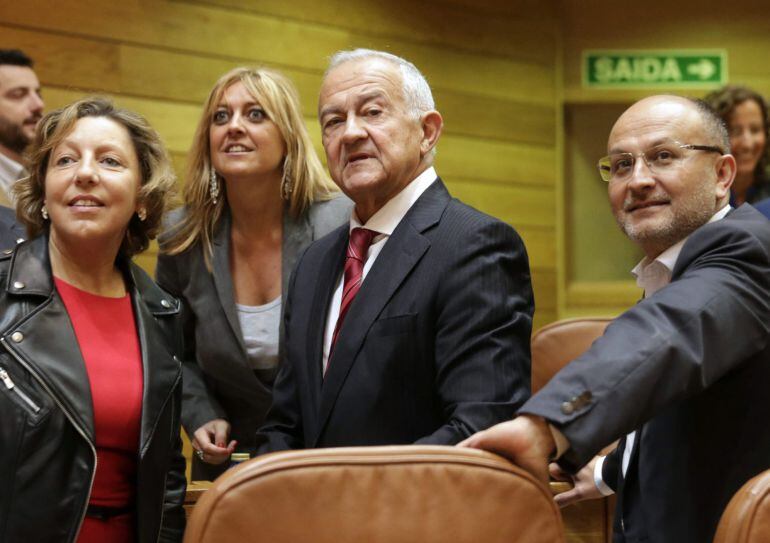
(428, 22)
(496, 161)
(491, 66)
(186, 77)
(224, 33)
(520, 9)
(516, 205)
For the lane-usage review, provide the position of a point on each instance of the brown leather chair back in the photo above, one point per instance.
(747, 517)
(377, 495)
(558, 343)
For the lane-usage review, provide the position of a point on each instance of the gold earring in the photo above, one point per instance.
(287, 187)
(213, 186)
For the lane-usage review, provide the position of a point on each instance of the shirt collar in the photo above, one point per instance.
(386, 219)
(668, 257)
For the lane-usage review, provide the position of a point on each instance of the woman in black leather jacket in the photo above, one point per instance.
(77, 386)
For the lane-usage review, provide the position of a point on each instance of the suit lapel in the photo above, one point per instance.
(328, 273)
(223, 279)
(297, 233)
(399, 256)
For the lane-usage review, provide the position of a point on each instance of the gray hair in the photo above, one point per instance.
(715, 126)
(417, 93)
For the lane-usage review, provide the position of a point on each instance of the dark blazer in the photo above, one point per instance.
(47, 442)
(434, 347)
(11, 232)
(218, 381)
(688, 368)
(763, 206)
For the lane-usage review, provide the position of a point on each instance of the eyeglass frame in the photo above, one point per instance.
(635, 156)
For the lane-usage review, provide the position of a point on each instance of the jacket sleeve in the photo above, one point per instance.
(670, 346)
(172, 527)
(198, 405)
(483, 328)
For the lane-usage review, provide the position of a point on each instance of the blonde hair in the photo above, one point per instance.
(302, 168)
(157, 183)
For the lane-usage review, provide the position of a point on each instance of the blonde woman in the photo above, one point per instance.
(256, 195)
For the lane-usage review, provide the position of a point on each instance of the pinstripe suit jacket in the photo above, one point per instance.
(688, 368)
(434, 347)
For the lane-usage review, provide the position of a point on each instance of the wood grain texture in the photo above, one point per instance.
(442, 23)
(491, 67)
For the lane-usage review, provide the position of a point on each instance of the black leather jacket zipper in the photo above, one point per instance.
(11, 386)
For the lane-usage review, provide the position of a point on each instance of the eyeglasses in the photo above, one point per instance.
(659, 159)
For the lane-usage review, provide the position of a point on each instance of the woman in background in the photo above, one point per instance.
(89, 443)
(256, 195)
(744, 112)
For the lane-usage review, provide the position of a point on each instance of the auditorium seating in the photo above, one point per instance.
(747, 517)
(553, 347)
(378, 495)
(556, 344)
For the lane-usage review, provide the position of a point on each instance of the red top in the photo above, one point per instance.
(106, 333)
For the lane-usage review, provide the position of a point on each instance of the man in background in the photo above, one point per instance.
(21, 107)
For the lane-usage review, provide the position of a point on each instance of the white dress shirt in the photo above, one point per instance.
(651, 276)
(384, 222)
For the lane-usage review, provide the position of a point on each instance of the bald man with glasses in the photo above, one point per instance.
(682, 377)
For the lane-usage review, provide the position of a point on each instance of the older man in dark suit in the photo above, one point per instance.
(412, 323)
(682, 376)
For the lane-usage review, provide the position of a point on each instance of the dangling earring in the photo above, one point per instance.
(286, 184)
(44, 212)
(142, 214)
(286, 187)
(214, 186)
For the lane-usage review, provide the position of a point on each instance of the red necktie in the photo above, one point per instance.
(358, 246)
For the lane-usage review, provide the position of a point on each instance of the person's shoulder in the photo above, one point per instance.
(468, 221)
(763, 206)
(172, 222)
(11, 231)
(326, 215)
(744, 219)
(159, 300)
(172, 219)
(7, 215)
(459, 210)
(743, 230)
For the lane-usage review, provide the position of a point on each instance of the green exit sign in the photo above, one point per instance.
(654, 68)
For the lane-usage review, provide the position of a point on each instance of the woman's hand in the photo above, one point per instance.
(209, 442)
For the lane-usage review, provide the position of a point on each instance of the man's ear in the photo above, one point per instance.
(725, 170)
(432, 124)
